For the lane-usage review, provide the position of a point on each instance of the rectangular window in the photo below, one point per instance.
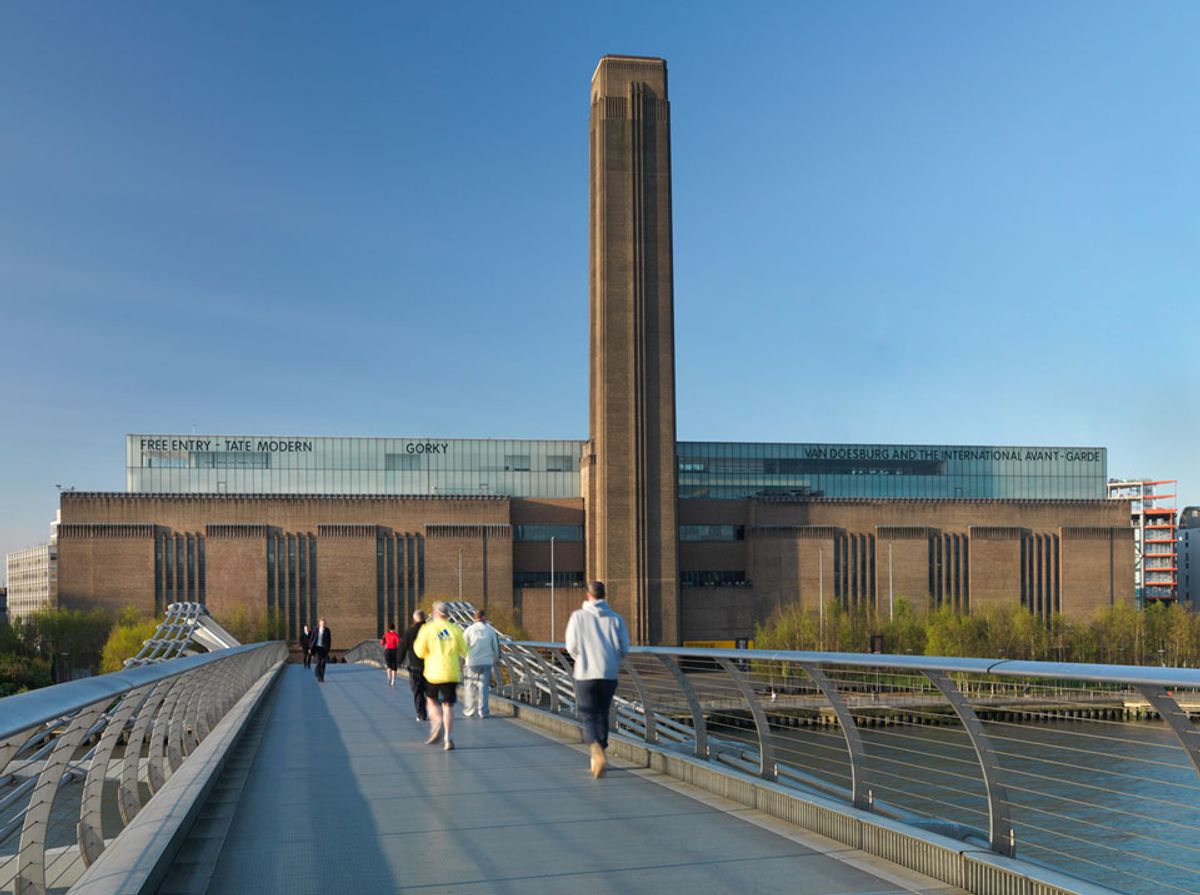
(191, 569)
(230, 460)
(158, 576)
(293, 631)
(410, 566)
(200, 569)
(302, 554)
(390, 613)
(420, 570)
(180, 578)
(546, 532)
(165, 459)
(312, 579)
(401, 462)
(714, 579)
(379, 587)
(516, 463)
(712, 532)
(271, 603)
(542, 579)
(560, 463)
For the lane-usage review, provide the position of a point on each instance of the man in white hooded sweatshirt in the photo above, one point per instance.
(597, 640)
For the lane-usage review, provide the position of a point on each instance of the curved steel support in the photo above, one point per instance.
(1001, 836)
(860, 788)
(651, 719)
(699, 726)
(568, 677)
(175, 724)
(31, 863)
(190, 737)
(504, 664)
(156, 773)
(130, 797)
(767, 768)
(551, 682)
(1180, 723)
(91, 839)
(530, 681)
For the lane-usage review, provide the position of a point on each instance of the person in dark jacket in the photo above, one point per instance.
(322, 640)
(306, 646)
(415, 664)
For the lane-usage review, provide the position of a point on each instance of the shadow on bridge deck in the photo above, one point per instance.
(341, 793)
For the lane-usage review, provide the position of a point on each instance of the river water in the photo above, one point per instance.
(1117, 803)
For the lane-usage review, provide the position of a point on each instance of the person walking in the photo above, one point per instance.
(440, 643)
(415, 664)
(483, 651)
(322, 640)
(597, 640)
(390, 644)
(306, 646)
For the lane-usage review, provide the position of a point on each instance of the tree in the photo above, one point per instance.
(73, 636)
(128, 635)
(508, 623)
(241, 624)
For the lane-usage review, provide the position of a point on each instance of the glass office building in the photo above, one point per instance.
(259, 464)
(727, 470)
(271, 464)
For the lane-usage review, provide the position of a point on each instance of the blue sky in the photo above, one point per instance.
(919, 222)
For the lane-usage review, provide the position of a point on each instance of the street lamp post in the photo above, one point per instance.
(552, 626)
(460, 551)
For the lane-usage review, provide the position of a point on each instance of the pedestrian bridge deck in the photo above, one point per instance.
(334, 789)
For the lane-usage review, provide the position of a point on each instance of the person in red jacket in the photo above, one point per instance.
(390, 643)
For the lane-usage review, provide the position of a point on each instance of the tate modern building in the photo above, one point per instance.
(697, 541)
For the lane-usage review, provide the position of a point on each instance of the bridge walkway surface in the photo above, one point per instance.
(332, 789)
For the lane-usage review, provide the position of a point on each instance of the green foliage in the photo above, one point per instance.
(268, 627)
(19, 672)
(126, 639)
(241, 624)
(75, 636)
(508, 623)
(1122, 635)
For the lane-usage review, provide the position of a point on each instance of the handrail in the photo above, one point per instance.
(985, 750)
(1183, 678)
(119, 733)
(25, 710)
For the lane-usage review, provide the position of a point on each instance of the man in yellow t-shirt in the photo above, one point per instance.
(440, 643)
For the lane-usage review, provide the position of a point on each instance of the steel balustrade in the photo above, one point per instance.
(990, 752)
(986, 751)
(79, 760)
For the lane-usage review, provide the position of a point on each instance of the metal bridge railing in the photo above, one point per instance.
(1089, 770)
(79, 760)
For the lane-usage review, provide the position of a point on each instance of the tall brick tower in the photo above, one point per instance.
(630, 467)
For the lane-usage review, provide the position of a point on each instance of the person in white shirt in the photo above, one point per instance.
(483, 651)
(598, 641)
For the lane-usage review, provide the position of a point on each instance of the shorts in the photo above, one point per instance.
(389, 659)
(446, 694)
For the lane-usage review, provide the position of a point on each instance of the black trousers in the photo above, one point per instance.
(416, 680)
(322, 656)
(593, 699)
(307, 657)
